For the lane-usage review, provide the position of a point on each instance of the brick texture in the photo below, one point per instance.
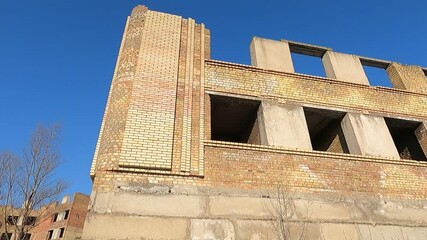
(411, 78)
(157, 123)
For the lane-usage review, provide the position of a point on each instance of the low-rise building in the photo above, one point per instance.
(64, 220)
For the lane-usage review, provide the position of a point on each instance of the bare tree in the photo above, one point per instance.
(281, 208)
(28, 183)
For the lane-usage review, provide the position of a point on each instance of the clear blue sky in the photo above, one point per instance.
(57, 56)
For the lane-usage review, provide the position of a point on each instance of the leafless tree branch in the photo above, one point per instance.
(28, 183)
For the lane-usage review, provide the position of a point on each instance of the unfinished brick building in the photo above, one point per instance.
(63, 220)
(189, 147)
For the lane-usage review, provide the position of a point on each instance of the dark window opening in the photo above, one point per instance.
(6, 236)
(30, 220)
(306, 64)
(55, 217)
(324, 127)
(377, 76)
(234, 119)
(26, 236)
(50, 234)
(12, 220)
(61, 232)
(405, 140)
(66, 214)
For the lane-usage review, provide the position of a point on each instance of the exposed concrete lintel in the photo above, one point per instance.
(372, 62)
(319, 51)
(306, 49)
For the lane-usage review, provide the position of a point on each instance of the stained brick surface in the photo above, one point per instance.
(156, 127)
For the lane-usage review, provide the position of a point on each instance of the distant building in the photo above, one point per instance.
(63, 220)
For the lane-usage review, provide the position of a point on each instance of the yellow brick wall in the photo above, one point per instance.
(148, 135)
(411, 78)
(250, 81)
(113, 125)
(156, 127)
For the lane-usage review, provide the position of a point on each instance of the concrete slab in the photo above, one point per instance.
(160, 205)
(417, 233)
(283, 126)
(400, 214)
(271, 54)
(344, 67)
(305, 230)
(368, 232)
(255, 230)
(134, 227)
(334, 231)
(368, 136)
(212, 229)
(237, 207)
(322, 211)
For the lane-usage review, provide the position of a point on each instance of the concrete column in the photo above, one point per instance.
(410, 78)
(368, 135)
(344, 67)
(271, 54)
(283, 126)
(60, 216)
(65, 199)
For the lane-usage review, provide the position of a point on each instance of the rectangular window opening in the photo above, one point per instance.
(324, 127)
(234, 119)
(61, 232)
(50, 234)
(12, 220)
(6, 236)
(55, 217)
(377, 76)
(405, 140)
(306, 64)
(30, 221)
(66, 213)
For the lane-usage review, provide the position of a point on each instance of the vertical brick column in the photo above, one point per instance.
(189, 121)
(368, 136)
(110, 140)
(344, 67)
(271, 54)
(421, 134)
(283, 126)
(148, 137)
(406, 77)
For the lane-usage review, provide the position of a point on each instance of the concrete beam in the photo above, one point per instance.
(344, 67)
(368, 136)
(283, 126)
(271, 54)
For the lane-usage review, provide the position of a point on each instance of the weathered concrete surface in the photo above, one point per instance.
(380, 232)
(344, 67)
(213, 229)
(332, 231)
(255, 230)
(134, 227)
(237, 207)
(166, 205)
(324, 211)
(201, 213)
(283, 125)
(396, 213)
(271, 54)
(368, 135)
